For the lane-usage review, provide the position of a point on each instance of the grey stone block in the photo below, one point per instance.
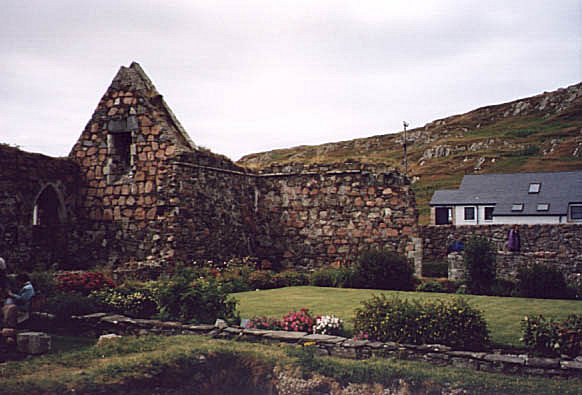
(506, 359)
(542, 362)
(33, 342)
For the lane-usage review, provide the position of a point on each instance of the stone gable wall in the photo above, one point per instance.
(556, 245)
(124, 217)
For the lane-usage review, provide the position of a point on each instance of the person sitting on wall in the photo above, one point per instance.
(16, 307)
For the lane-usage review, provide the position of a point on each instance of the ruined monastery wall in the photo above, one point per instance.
(124, 154)
(317, 215)
(25, 180)
(215, 208)
(136, 189)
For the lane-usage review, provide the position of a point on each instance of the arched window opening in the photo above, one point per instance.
(47, 209)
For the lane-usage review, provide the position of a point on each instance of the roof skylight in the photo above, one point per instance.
(517, 207)
(534, 187)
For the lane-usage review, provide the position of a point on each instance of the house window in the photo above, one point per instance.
(543, 207)
(576, 212)
(489, 213)
(534, 187)
(517, 207)
(443, 215)
(469, 213)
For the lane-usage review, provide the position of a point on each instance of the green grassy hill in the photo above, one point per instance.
(539, 133)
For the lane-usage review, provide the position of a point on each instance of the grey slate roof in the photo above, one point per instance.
(503, 190)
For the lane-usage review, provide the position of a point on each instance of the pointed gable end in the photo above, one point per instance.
(131, 139)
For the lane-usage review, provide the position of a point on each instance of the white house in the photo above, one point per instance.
(517, 198)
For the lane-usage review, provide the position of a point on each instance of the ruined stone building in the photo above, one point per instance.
(135, 188)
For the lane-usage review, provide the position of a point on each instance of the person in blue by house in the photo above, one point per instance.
(513, 239)
(15, 305)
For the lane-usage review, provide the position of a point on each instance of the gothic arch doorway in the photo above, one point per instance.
(49, 228)
(48, 208)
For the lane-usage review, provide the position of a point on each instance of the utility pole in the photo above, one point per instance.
(404, 146)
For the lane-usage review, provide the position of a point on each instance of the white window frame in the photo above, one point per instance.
(465, 213)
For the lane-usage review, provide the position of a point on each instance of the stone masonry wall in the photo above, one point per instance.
(556, 245)
(215, 208)
(23, 177)
(138, 190)
(124, 154)
(317, 215)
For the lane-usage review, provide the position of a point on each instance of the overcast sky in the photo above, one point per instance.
(249, 76)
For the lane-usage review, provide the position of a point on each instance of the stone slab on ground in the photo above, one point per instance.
(33, 342)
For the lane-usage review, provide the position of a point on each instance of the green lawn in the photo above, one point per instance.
(503, 315)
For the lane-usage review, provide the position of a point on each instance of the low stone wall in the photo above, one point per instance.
(342, 347)
(555, 245)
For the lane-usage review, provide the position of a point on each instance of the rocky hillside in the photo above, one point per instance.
(539, 133)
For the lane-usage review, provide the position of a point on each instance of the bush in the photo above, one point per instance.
(328, 325)
(480, 261)
(83, 282)
(435, 269)
(195, 300)
(298, 321)
(430, 286)
(539, 281)
(137, 303)
(450, 322)
(265, 323)
(261, 279)
(290, 278)
(63, 306)
(548, 337)
(332, 277)
(384, 270)
(502, 287)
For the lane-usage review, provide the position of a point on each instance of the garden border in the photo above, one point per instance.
(337, 346)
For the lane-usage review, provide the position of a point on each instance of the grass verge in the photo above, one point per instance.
(182, 364)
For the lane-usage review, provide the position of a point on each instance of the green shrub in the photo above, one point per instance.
(540, 281)
(480, 261)
(548, 337)
(65, 305)
(451, 322)
(197, 300)
(290, 278)
(503, 287)
(332, 277)
(435, 269)
(431, 286)
(384, 270)
(261, 279)
(137, 303)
